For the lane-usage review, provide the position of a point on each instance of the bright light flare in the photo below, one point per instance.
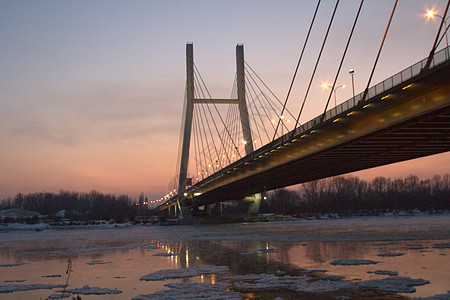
(430, 13)
(325, 85)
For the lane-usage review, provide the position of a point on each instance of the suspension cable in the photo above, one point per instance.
(436, 43)
(269, 102)
(296, 69)
(366, 91)
(221, 119)
(315, 67)
(262, 106)
(265, 85)
(342, 60)
(253, 113)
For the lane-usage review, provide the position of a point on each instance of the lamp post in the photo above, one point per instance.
(432, 14)
(334, 91)
(352, 72)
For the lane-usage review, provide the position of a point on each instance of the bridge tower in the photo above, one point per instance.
(189, 110)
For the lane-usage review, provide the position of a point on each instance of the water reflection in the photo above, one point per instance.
(124, 256)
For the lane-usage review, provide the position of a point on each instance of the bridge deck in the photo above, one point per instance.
(405, 121)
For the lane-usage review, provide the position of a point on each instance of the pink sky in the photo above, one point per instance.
(91, 93)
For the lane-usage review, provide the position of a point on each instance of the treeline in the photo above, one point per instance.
(349, 195)
(79, 206)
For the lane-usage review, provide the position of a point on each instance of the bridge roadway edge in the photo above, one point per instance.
(392, 142)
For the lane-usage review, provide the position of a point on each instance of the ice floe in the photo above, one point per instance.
(352, 262)
(87, 290)
(384, 272)
(187, 291)
(267, 250)
(59, 296)
(9, 288)
(436, 297)
(51, 276)
(394, 284)
(185, 272)
(166, 254)
(442, 246)
(98, 262)
(331, 277)
(416, 247)
(390, 254)
(12, 265)
(300, 283)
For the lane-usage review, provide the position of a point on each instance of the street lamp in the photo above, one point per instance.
(352, 72)
(334, 91)
(433, 13)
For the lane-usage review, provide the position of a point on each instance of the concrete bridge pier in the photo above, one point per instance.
(255, 203)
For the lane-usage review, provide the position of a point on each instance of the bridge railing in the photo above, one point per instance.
(397, 79)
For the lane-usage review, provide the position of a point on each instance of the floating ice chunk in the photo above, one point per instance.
(186, 272)
(394, 284)
(267, 250)
(323, 286)
(249, 253)
(416, 247)
(59, 296)
(332, 277)
(9, 288)
(12, 265)
(390, 254)
(98, 262)
(165, 254)
(352, 262)
(314, 271)
(87, 290)
(295, 283)
(436, 297)
(248, 277)
(384, 244)
(187, 291)
(385, 272)
(441, 246)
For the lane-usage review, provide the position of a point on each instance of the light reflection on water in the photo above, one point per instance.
(117, 258)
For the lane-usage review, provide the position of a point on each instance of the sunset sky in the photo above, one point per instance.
(91, 92)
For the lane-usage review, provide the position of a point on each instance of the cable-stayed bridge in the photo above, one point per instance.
(254, 148)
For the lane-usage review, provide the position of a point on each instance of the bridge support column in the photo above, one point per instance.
(255, 203)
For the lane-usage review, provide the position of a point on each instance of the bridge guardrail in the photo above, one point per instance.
(402, 76)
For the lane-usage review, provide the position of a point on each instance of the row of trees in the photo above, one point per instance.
(80, 206)
(349, 194)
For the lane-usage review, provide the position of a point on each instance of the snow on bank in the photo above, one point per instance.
(352, 262)
(9, 288)
(186, 272)
(188, 291)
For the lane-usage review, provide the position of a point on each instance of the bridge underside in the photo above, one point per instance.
(403, 123)
(422, 136)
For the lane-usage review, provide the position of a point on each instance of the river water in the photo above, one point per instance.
(116, 259)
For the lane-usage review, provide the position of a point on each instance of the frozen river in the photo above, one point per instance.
(328, 258)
